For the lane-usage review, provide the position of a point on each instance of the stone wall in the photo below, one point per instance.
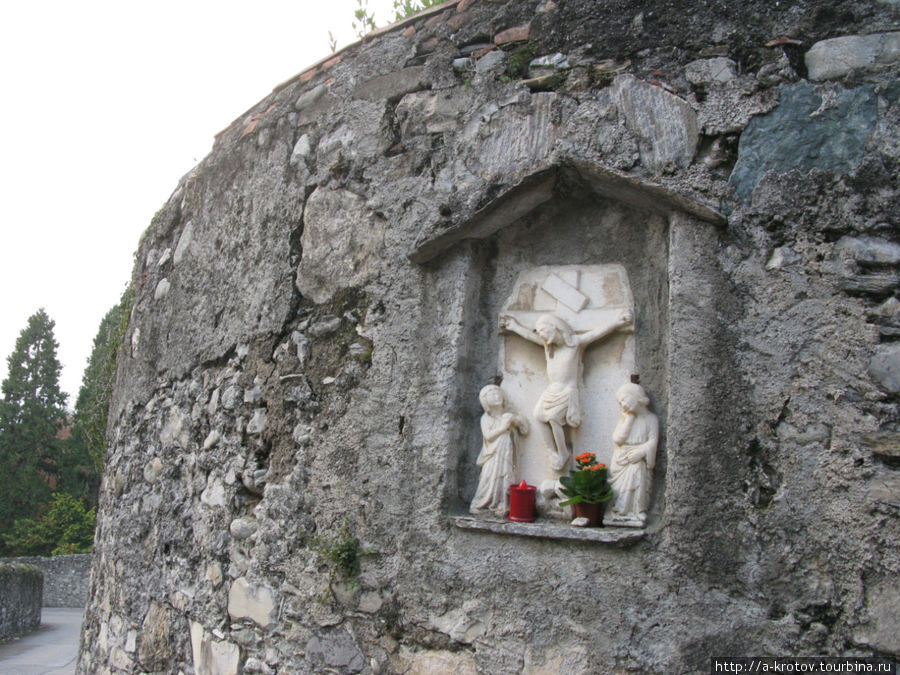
(20, 599)
(66, 578)
(316, 310)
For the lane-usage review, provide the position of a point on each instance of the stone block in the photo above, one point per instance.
(184, 243)
(429, 661)
(548, 65)
(155, 645)
(432, 112)
(869, 250)
(162, 289)
(301, 150)
(883, 606)
(152, 470)
(248, 601)
(258, 422)
(214, 494)
(341, 243)
(808, 130)
(211, 656)
(711, 72)
(493, 60)
(885, 488)
(665, 125)
(393, 85)
(308, 98)
(514, 34)
(838, 57)
(457, 21)
(243, 528)
(884, 366)
(514, 139)
(338, 649)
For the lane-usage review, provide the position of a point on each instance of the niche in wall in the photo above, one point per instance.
(543, 245)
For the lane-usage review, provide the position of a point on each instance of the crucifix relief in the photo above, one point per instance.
(568, 346)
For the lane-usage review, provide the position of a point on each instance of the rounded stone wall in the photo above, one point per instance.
(295, 422)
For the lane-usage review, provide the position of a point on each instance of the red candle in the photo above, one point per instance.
(521, 502)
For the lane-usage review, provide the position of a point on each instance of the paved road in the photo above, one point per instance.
(52, 649)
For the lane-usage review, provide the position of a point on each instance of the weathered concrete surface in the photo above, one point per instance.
(304, 389)
(20, 599)
(51, 649)
(65, 578)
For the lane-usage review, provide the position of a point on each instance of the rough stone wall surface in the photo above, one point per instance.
(20, 599)
(315, 312)
(66, 577)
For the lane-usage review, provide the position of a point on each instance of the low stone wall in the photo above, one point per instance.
(65, 578)
(20, 599)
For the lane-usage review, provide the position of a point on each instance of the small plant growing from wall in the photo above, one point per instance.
(344, 554)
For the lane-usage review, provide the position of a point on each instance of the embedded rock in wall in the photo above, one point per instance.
(665, 125)
(296, 427)
(824, 128)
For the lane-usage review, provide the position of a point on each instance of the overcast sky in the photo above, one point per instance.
(105, 105)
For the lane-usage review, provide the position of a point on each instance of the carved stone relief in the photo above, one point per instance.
(567, 346)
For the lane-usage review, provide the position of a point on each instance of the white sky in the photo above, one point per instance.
(104, 105)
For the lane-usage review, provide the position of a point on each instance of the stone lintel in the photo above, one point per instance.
(633, 191)
(539, 187)
(511, 205)
(551, 529)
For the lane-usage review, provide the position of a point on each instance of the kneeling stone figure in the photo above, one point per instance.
(635, 438)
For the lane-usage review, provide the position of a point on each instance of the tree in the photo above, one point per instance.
(405, 8)
(64, 526)
(87, 445)
(364, 19)
(32, 412)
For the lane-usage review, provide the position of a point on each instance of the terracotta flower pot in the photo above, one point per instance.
(593, 512)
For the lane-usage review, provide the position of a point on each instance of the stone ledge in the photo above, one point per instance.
(551, 530)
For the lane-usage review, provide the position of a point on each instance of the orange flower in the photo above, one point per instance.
(585, 457)
(597, 467)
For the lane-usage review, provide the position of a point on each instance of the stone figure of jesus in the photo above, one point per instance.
(559, 407)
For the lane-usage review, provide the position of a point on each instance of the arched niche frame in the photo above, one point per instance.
(572, 215)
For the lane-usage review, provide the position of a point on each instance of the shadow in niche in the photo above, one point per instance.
(575, 227)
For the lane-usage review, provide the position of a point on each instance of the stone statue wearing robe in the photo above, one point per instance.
(635, 440)
(497, 458)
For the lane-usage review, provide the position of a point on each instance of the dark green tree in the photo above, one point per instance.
(87, 445)
(64, 526)
(32, 412)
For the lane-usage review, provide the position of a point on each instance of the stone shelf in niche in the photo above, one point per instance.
(550, 529)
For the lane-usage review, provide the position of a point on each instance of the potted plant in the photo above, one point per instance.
(587, 489)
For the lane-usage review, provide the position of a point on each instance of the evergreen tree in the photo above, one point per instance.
(87, 445)
(65, 526)
(32, 412)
